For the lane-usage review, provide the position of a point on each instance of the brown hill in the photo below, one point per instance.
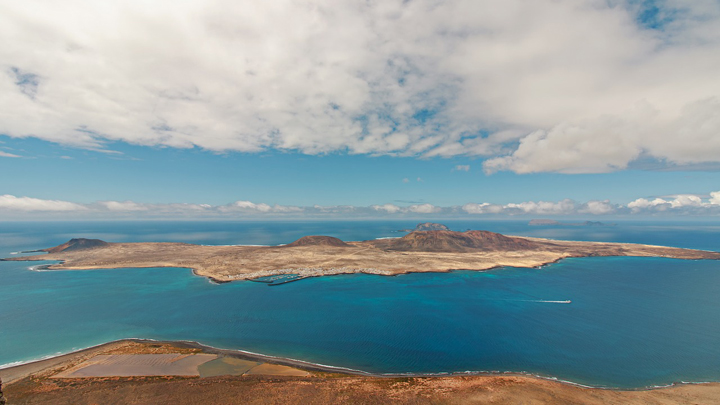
(318, 241)
(76, 244)
(449, 241)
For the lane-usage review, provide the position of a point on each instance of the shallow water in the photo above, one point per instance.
(632, 322)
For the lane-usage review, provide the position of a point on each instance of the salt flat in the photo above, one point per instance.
(135, 365)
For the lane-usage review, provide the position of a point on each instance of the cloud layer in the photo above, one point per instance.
(12, 207)
(567, 86)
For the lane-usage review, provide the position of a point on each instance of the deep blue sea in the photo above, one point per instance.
(633, 322)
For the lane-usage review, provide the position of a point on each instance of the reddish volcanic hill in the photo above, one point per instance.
(77, 244)
(318, 241)
(449, 241)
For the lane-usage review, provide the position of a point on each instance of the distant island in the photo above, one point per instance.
(552, 222)
(427, 226)
(312, 256)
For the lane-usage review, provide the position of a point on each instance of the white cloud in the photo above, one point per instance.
(415, 209)
(6, 154)
(642, 203)
(597, 208)
(424, 209)
(563, 207)
(406, 180)
(484, 208)
(715, 198)
(680, 204)
(462, 168)
(390, 208)
(247, 206)
(686, 200)
(286, 209)
(123, 206)
(12, 203)
(609, 143)
(536, 86)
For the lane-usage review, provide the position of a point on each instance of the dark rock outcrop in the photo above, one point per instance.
(449, 241)
(431, 226)
(76, 244)
(318, 241)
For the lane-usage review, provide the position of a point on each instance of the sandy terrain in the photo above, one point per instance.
(133, 365)
(431, 251)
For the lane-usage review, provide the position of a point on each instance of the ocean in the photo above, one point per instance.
(630, 323)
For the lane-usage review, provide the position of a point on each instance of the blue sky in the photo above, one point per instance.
(163, 175)
(423, 108)
(153, 175)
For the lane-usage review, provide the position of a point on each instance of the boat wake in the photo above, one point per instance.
(550, 301)
(557, 302)
(539, 301)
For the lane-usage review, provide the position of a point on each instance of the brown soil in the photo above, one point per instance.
(340, 390)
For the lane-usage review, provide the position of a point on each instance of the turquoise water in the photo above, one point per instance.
(632, 322)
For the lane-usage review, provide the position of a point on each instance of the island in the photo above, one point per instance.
(313, 256)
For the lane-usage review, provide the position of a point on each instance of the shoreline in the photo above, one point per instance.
(16, 371)
(326, 272)
(278, 272)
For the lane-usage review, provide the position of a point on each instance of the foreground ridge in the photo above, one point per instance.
(261, 379)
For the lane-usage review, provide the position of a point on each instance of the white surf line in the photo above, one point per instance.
(40, 268)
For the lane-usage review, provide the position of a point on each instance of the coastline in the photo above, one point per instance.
(315, 272)
(13, 372)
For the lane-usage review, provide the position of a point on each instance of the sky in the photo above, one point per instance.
(359, 109)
